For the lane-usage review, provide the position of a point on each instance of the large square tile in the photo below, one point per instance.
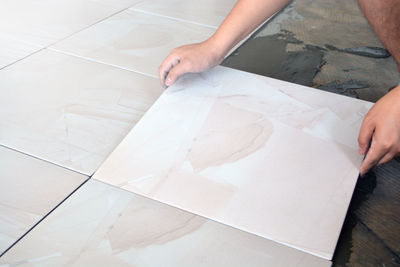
(100, 225)
(133, 40)
(205, 12)
(70, 111)
(29, 189)
(269, 157)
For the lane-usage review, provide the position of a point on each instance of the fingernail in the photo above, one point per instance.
(168, 81)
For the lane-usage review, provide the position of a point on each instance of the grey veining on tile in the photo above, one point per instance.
(269, 157)
(133, 40)
(70, 111)
(100, 225)
(205, 12)
(29, 189)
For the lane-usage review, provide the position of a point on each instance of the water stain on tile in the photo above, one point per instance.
(245, 134)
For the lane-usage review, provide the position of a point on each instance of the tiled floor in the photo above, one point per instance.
(75, 77)
(101, 225)
(68, 110)
(30, 189)
(196, 158)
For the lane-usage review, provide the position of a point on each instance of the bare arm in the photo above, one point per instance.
(382, 123)
(245, 17)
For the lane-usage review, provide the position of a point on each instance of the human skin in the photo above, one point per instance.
(382, 122)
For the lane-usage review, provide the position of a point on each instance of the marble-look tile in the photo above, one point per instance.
(47, 21)
(29, 189)
(100, 225)
(206, 12)
(133, 40)
(13, 50)
(269, 157)
(68, 110)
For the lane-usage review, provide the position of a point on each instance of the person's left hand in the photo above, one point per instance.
(382, 124)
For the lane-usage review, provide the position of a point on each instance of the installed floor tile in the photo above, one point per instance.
(100, 225)
(269, 157)
(206, 12)
(13, 50)
(133, 40)
(47, 21)
(29, 189)
(27, 26)
(68, 110)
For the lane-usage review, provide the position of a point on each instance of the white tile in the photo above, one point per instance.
(27, 26)
(70, 111)
(269, 157)
(13, 50)
(206, 12)
(47, 21)
(100, 225)
(29, 189)
(133, 40)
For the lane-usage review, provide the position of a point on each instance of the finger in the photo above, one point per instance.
(365, 135)
(176, 72)
(387, 157)
(168, 63)
(374, 155)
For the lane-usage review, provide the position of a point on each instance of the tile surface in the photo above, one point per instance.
(47, 21)
(269, 157)
(100, 225)
(25, 197)
(205, 12)
(70, 111)
(27, 26)
(133, 40)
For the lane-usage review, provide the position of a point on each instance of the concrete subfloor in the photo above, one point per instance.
(317, 43)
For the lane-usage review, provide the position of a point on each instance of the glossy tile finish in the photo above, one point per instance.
(205, 12)
(68, 110)
(24, 192)
(101, 225)
(133, 40)
(265, 156)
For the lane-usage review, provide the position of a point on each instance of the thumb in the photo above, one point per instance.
(178, 70)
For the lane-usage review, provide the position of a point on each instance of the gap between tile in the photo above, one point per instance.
(45, 216)
(173, 18)
(101, 62)
(44, 160)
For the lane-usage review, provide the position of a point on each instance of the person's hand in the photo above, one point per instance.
(188, 58)
(382, 124)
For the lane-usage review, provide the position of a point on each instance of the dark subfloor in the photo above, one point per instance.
(329, 45)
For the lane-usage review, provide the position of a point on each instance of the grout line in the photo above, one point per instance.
(40, 48)
(44, 160)
(100, 20)
(44, 217)
(12, 63)
(172, 18)
(101, 62)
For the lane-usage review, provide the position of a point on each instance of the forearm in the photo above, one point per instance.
(244, 18)
(384, 17)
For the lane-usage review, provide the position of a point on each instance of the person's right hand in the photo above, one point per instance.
(188, 58)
